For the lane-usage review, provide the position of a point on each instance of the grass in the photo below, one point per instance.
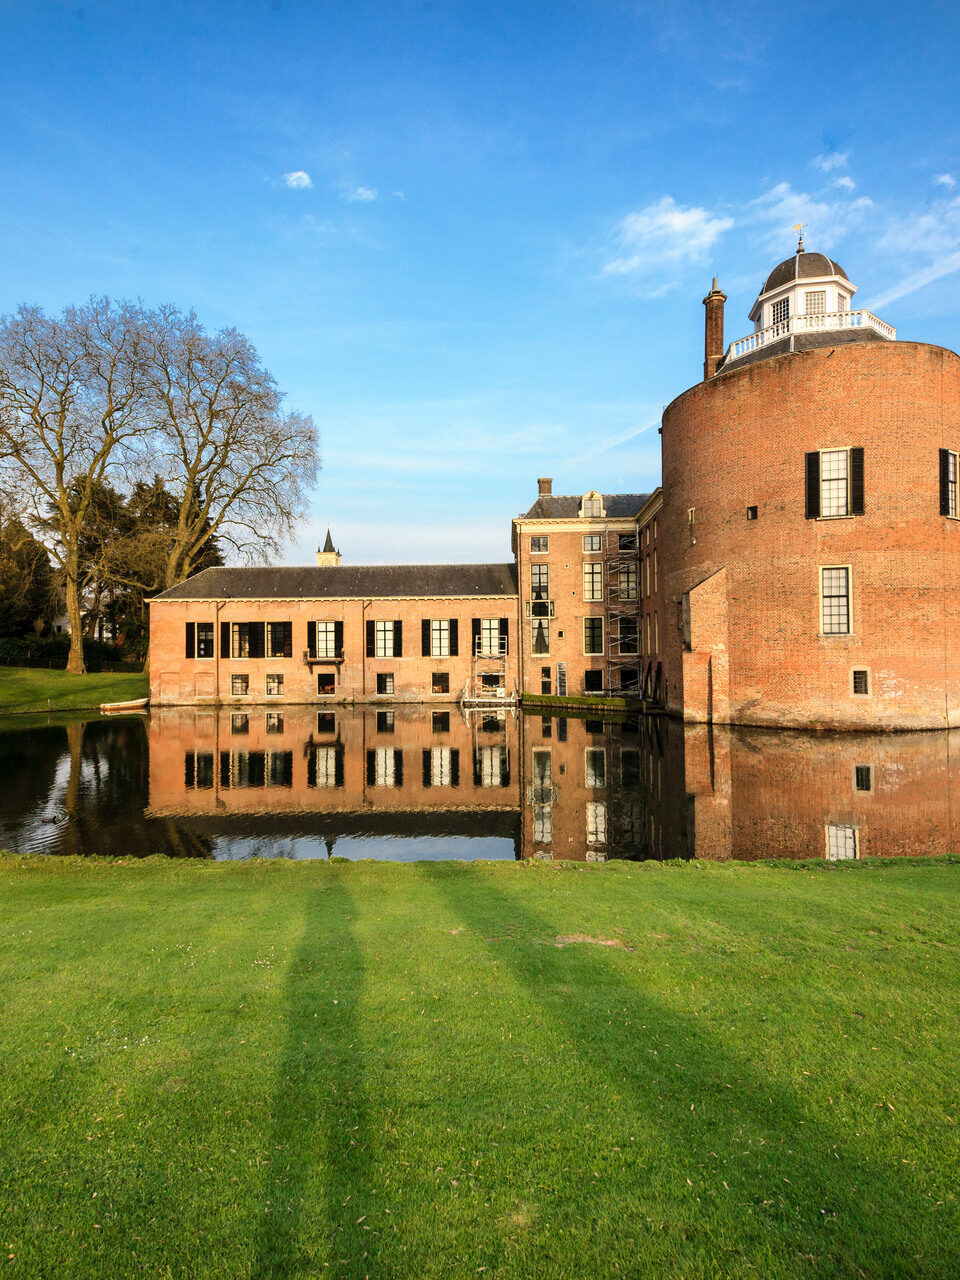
(276, 1070)
(28, 689)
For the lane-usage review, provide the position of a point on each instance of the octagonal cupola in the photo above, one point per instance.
(809, 289)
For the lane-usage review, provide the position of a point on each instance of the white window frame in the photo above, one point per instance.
(439, 637)
(325, 760)
(326, 639)
(594, 653)
(489, 637)
(628, 581)
(275, 678)
(593, 776)
(834, 480)
(536, 625)
(830, 568)
(596, 814)
(593, 581)
(592, 544)
(383, 638)
(235, 679)
(540, 550)
(953, 503)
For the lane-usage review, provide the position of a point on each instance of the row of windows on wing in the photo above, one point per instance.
(440, 767)
(439, 638)
(490, 722)
(593, 542)
(623, 583)
(835, 483)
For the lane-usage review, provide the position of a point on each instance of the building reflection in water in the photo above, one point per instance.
(407, 783)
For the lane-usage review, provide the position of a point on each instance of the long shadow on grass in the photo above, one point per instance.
(318, 1137)
(820, 1214)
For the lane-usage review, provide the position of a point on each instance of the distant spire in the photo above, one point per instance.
(328, 545)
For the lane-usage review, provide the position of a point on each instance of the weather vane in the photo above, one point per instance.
(798, 228)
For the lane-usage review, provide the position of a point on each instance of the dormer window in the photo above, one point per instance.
(780, 313)
(815, 302)
(591, 506)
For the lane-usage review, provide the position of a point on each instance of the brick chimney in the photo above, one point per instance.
(713, 329)
(546, 486)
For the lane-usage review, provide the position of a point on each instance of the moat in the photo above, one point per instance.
(425, 783)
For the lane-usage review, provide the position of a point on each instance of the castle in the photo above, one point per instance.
(797, 567)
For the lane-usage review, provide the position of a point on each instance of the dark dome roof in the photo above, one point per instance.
(801, 267)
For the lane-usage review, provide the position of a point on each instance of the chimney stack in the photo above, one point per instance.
(713, 329)
(546, 486)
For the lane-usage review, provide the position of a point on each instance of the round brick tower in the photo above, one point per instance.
(810, 520)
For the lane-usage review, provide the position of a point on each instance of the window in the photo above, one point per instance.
(861, 682)
(539, 546)
(491, 767)
(385, 683)
(835, 486)
(591, 542)
(540, 581)
(842, 842)
(326, 683)
(326, 722)
(834, 498)
(835, 601)
(593, 682)
(384, 640)
(656, 528)
(325, 767)
(780, 313)
(440, 639)
(627, 541)
(751, 513)
(863, 777)
(593, 635)
(593, 581)
(242, 768)
(247, 639)
(629, 635)
(438, 767)
(199, 640)
(630, 679)
(239, 722)
(279, 639)
(384, 767)
(279, 769)
(542, 824)
(544, 679)
(542, 773)
(327, 640)
(591, 506)
(646, 575)
(948, 484)
(627, 582)
(596, 823)
(490, 637)
(546, 726)
(441, 722)
(239, 686)
(274, 686)
(656, 568)
(274, 722)
(440, 682)
(841, 303)
(815, 302)
(540, 636)
(656, 634)
(198, 769)
(386, 721)
(596, 767)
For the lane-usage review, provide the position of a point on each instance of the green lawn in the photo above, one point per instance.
(33, 688)
(289, 1070)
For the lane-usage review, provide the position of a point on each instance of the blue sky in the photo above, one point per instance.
(486, 260)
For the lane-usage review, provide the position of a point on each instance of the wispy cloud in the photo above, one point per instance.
(662, 238)
(297, 180)
(933, 235)
(830, 160)
(845, 183)
(827, 219)
(946, 180)
(353, 194)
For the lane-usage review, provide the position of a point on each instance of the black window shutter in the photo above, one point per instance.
(224, 639)
(813, 486)
(312, 639)
(258, 640)
(454, 638)
(189, 768)
(398, 639)
(288, 639)
(371, 640)
(856, 482)
(504, 767)
(225, 764)
(426, 766)
(191, 640)
(477, 774)
(475, 624)
(425, 638)
(311, 768)
(398, 767)
(455, 767)
(338, 767)
(338, 639)
(504, 636)
(371, 768)
(944, 482)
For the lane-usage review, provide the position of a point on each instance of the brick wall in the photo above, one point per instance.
(739, 441)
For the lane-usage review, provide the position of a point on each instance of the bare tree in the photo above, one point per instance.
(71, 416)
(237, 465)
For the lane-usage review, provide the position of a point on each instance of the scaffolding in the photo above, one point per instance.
(487, 686)
(623, 609)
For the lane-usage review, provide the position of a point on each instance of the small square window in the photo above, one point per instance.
(441, 722)
(440, 682)
(385, 722)
(274, 722)
(751, 513)
(385, 683)
(326, 683)
(591, 542)
(539, 546)
(863, 777)
(274, 686)
(239, 723)
(326, 722)
(239, 686)
(861, 682)
(593, 681)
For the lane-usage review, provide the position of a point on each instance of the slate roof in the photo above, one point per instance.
(801, 267)
(558, 506)
(801, 342)
(366, 581)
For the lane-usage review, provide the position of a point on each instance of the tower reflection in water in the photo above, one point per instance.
(308, 783)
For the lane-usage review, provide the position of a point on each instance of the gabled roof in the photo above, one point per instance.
(372, 581)
(558, 506)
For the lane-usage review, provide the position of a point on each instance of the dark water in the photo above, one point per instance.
(433, 783)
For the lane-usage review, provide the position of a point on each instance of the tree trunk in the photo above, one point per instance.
(75, 663)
